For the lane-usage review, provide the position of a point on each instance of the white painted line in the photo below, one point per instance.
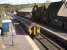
(57, 34)
(0, 31)
(32, 43)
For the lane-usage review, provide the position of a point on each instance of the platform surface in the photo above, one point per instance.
(21, 41)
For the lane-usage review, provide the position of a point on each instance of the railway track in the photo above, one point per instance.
(45, 38)
(46, 43)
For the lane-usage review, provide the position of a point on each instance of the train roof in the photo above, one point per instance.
(26, 10)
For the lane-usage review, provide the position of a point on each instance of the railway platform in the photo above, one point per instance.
(17, 41)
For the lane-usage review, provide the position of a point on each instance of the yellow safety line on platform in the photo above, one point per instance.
(34, 46)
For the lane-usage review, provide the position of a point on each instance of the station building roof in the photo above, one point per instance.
(62, 11)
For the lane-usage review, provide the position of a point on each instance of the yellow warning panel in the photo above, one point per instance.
(36, 29)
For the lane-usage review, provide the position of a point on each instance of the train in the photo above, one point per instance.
(48, 15)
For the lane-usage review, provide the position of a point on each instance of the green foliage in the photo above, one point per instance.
(9, 8)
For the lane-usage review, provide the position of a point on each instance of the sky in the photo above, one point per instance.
(25, 1)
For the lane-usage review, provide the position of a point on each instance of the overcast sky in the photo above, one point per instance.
(25, 1)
